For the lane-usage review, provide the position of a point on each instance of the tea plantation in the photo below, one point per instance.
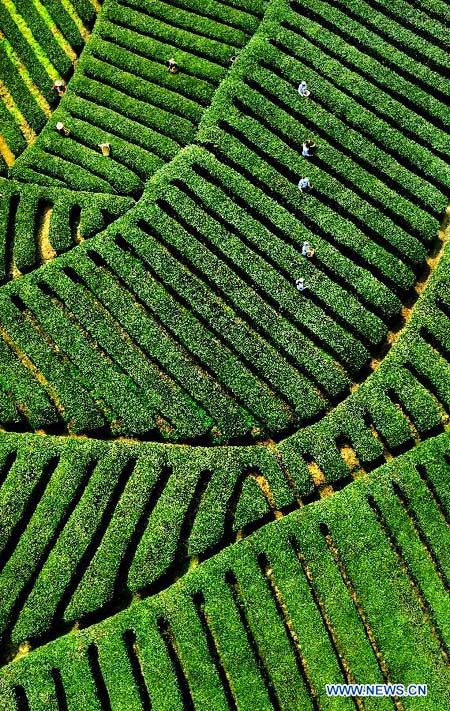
(224, 454)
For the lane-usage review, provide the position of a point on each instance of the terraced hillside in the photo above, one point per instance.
(268, 622)
(39, 44)
(218, 491)
(122, 92)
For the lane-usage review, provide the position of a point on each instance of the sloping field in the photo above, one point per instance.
(39, 44)
(37, 223)
(122, 92)
(199, 333)
(218, 491)
(269, 621)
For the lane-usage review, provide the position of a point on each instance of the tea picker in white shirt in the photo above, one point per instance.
(307, 251)
(303, 89)
(300, 284)
(304, 184)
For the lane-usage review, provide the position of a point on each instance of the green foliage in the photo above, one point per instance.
(85, 9)
(73, 215)
(309, 590)
(187, 307)
(252, 505)
(44, 35)
(97, 521)
(109, 99)
(24, 50)
(10, 131)
(20, 94)
(417, 33)
(65, 23)
(180, 323)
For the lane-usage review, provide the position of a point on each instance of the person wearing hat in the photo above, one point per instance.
(303, 89)
(300, 284)
(307, 251)
(105, 148)
(60, 87)
(172, 67)
(308, 148)
(304, 184)
(61, 129)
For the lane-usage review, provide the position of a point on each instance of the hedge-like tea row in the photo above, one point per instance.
(261, 138)
(70, 23)
(181, 323)
(24, 50)
(274, 83)
(24, 101)
(435, 8)
(205, 256)
(389, 42)
(404, 130)
(40, 42)
(268, 622)
(243, 382)
(406, 400)
(121, 496)
(86, 9)
(417, 28)
(340, 32)
(206, 263)
(32, 214)
(12, 136)
(122, 93)
(398, 218)
(42, 32)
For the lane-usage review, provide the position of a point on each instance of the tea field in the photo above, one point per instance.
(218, 490)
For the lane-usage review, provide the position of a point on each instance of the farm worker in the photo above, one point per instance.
(61, 129)
(172, 67)
(300, 284)
(306, 250)
(304, 184)
(308, 148)
(303, 89)
(105, 148)
(233, 58)
(59, 86)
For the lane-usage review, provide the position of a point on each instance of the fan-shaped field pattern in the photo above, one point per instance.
(200, 498)
(97, 512)
(126, 498)
(39, 43)
(37, 223)
(123, 94)
(183, 322)
(406, 399)
(269, 621)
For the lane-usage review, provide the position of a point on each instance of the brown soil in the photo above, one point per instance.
(46, 251)
(6, 152)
